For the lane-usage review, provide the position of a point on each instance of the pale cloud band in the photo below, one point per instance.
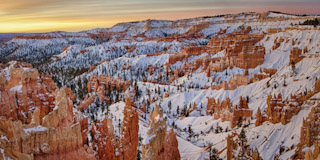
(76, 15)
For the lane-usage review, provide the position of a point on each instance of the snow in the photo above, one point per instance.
(56, 107)
(4, 137)
(35, 129)
(147, 139)
(219, 54)
(188, 150)
(7, 73)
(16, 89)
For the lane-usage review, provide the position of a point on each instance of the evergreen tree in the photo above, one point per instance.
(239, 122)
(293, 67)
(178, 110)
(243, 137)
(213, 154)
(169, 106)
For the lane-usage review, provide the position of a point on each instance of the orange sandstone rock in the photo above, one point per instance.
(158, 144)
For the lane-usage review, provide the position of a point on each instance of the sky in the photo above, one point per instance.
(78, 15)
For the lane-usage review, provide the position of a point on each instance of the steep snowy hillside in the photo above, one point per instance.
(240, 86)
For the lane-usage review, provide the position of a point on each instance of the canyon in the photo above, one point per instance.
(235, 86)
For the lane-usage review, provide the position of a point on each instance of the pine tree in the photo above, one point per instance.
(178, 110)
(243, 137)
(169, 106)
(213, 154)
(239, 122)
(293, 67)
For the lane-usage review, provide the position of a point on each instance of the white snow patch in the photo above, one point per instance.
(16, 89)
(35, 129)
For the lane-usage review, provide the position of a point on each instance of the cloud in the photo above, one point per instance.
(104, 13)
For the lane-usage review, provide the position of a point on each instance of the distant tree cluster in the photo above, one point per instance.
(314, 22)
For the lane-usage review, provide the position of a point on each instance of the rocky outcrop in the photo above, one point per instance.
(315, 155)
(262, 75)
(227, 112)
(129, 130)
(99, 86)
(277, 42)
(236, 150)
(84, 124)
(280, 110)
(89, 99)
(234, 82)
(41, 125)
(260, 118)
(158, 144)
(310, 130)
(107, 145)
(234, 42)
(274, 30)
(24, 91)
(231, 145)
(57, 137)
(171, 149)
(153, 143)
(104, 141)
(309, 136)
(295, 56)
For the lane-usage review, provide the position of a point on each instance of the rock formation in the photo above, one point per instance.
(158, 144)
(153, 143)
(99, 87)
(230, 146)
(240, 152)
(234, 82)
(57, 137)
(295, 56)
(315, 155)
(274, 30)
(107, 145)
(41, 125)
(310, 130)
(227, 112)
(129, 130)
(282, 110)
(24, 91)
(260, 118)
(310, 135)
(104, 142)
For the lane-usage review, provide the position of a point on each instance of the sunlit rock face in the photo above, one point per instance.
(105, 142)
(130, 130)
(42, 124)
(158, 144)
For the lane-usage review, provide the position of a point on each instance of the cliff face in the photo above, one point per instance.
(130, 130)
(239, 50)
(153, 143)
(23, 90)
(49, 130)
(104, 141)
